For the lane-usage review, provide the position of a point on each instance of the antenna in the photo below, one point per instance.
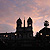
(24, 18)
(24, 21)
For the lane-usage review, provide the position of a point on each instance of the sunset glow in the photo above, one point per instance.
(11, 10)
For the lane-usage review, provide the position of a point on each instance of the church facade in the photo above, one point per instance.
(21, 32)
(23, 36)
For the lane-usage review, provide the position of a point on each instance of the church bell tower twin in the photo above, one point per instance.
(24, 31)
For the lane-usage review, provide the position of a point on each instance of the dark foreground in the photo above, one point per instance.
(20, 45)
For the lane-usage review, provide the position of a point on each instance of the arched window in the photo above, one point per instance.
(6, 35)
(40, 33)
(47, 35)
(15, 34)
(29, 24)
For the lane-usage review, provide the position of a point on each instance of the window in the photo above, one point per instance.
(6, 35)
(40, 33)
(15, 34)
(47, 35)
(29, 24)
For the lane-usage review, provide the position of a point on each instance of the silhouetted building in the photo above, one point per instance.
(24, 32)
(45, 32)
(44, 35)
(23, 37)
(21, 32)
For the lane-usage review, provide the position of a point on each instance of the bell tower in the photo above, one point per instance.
(19, 23)
(29, 22)
(29, 26)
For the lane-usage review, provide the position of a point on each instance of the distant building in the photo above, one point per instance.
(44, 32)
(21, 32)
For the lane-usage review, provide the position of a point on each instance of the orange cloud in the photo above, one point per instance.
(38, 10)
(43, 2)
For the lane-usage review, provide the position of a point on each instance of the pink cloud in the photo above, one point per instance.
(38, 10)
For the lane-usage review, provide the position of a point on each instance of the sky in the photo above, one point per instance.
(11, 10)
